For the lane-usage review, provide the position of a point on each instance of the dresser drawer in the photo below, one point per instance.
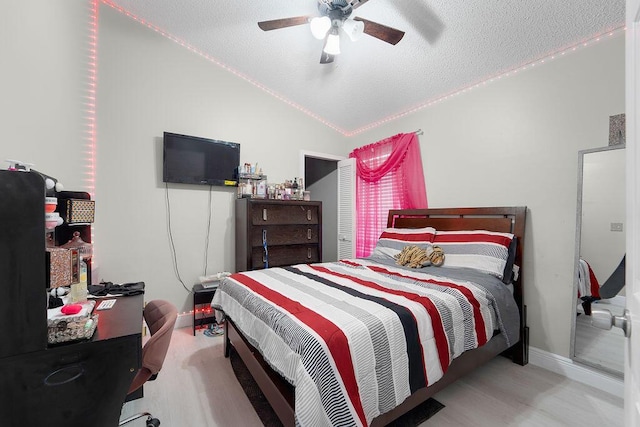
(285, 234)
(284, 214)
(285, 255)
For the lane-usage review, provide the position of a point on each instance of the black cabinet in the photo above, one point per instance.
(23, 306)
(70, 384)
(203, 313)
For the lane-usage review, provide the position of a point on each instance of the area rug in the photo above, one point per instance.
(269, 418)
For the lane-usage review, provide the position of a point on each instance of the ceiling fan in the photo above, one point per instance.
(335, 17)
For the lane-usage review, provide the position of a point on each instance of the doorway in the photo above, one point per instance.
(320, 172)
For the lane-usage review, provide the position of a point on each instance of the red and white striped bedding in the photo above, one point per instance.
(588, 285)
(356, 337)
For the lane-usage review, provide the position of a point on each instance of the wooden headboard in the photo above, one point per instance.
(501, 219)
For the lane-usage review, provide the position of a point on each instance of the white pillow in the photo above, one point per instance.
(483, 250)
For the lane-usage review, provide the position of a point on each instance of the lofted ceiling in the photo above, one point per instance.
(448, 46)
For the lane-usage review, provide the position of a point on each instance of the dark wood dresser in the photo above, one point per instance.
(277, 233)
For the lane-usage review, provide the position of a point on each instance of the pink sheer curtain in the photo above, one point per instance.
(389, 175)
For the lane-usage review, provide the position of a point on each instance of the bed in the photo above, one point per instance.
(590, 290)
(321, 356)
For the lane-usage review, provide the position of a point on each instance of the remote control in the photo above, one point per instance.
(106, 304)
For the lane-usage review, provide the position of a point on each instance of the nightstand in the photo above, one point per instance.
(203, 314)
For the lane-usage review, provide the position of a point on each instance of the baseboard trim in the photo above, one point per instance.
(184, 320)
(574, 371)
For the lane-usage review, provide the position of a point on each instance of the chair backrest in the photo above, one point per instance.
(160, 317)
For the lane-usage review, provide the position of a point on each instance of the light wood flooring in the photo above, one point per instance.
(599, 346)
(197, 388)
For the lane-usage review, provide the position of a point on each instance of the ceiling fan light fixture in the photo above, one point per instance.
(353, 28)
(332, 46)
(319, 26)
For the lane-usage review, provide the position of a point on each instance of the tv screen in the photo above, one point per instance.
(193, 160)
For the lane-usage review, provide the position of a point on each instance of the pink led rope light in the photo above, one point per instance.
(90, 104)
(490, 79)
(90, 138)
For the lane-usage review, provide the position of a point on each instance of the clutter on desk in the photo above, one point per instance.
(79, 324)
(109, 288)
(81, 252)
(55, 297)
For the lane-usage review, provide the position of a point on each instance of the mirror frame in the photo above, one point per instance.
(576, 260)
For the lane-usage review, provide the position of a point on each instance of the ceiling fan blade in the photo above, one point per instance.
(357, 3)
(382, 32)
(283, 23)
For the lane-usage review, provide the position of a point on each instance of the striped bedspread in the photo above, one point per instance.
(357, 337)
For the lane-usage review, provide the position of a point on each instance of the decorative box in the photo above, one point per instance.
(71, 329)
(63, 328)
(77, 211)
(58, 267)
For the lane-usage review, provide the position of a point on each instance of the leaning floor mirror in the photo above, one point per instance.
(600, 258)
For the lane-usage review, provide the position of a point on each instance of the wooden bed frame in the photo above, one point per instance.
(280, 393)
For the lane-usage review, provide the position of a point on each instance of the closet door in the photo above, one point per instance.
(346, 209)
(632, 363)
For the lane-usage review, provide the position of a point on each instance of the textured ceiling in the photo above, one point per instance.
(449, 45)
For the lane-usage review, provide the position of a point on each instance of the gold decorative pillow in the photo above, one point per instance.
(417, 257)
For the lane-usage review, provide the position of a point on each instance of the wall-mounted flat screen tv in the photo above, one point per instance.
(193, 160)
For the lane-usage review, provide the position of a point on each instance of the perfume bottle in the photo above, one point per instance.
(79, 290)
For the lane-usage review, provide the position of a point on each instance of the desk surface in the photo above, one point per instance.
(124, 318)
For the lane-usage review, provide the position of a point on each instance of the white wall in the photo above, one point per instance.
(515, 142)
(44, 86)
(148, 85)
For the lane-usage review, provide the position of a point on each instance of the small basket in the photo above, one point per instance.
(72, 328)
